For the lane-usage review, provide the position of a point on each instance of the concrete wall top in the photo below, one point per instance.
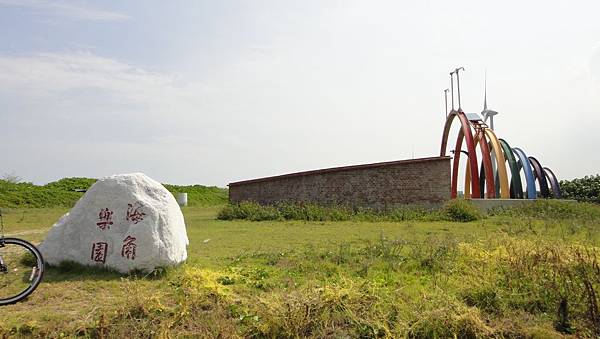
(340, 169)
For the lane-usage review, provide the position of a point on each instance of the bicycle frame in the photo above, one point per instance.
(3, 268)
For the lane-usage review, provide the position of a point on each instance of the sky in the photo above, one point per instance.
(212, 92)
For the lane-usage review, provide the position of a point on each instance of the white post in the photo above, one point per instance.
(182, 199)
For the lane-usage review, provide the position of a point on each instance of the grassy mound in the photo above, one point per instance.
(62, 193)
(199, 195)
(13, 195)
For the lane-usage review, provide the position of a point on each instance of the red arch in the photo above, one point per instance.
(487, 165)
(464, 131)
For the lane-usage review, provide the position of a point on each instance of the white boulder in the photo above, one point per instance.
(124, 222)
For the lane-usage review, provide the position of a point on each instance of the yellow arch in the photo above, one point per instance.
(500, 164)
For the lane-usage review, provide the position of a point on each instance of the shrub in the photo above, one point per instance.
(314, 212)
(461, 210)
(250, 211)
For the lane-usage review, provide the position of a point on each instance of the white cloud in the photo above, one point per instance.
(46, 75)
(66, 10)
(65, 92)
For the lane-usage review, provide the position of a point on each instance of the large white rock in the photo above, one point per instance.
(124, 222)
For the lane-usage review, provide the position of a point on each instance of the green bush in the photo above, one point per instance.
(461, 210)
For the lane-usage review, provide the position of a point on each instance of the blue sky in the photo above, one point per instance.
(212, 92)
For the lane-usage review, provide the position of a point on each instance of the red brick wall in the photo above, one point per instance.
(382, 185)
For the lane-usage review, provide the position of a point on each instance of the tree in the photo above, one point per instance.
(582, 189)
(11, 177)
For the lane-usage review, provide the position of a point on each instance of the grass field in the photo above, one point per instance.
(511, 275)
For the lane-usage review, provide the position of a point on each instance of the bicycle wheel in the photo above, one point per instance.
(21, 269)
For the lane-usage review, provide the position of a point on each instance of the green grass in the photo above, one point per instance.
(506, 275)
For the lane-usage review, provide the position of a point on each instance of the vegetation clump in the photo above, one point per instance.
(461, 210)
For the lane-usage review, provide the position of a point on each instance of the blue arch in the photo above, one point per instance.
(529, 178)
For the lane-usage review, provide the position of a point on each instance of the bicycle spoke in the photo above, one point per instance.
(20, 270)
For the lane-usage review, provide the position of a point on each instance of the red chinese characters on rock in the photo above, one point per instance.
(105, 217)
(99, 250)
(135, 213)
(129, 247)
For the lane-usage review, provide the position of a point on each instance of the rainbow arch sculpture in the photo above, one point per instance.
(472, 159)
(490, 179)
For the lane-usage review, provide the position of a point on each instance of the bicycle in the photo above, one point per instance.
(21, 268)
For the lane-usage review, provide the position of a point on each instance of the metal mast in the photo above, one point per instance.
(452, 88)
(487, 113)
(446, 100)
(457, 85)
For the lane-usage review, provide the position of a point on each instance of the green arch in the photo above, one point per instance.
(516, 187)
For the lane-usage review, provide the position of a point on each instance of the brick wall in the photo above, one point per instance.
(423, 181)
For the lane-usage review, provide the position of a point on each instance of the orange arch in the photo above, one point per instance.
(500, 164)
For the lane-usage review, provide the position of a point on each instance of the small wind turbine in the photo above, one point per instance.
(487, 113)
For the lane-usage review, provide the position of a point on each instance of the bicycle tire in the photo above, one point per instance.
(36, 275)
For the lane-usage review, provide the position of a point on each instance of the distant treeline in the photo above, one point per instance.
(62, 193)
